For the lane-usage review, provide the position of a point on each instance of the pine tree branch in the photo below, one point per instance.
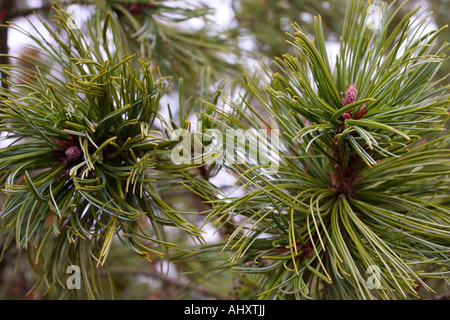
(9, 12)
(5, 11)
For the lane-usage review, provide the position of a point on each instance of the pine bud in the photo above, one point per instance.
(73, 154)
(350, 95)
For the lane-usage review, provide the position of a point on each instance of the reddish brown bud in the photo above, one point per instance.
(347, 115)
(73, 154)
(350, 95)
(361, 112)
